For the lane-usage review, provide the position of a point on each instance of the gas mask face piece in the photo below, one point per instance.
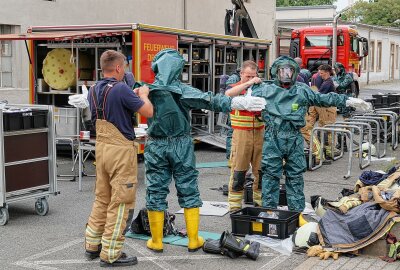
(285, 74)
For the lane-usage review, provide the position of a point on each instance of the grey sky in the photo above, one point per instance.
(341, 4)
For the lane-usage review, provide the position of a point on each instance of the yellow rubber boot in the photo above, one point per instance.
(302, 220)
(257, 198)
(192, 218)
(156, 221)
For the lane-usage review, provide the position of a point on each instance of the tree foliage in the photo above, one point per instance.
(286, 3)
(378, 12)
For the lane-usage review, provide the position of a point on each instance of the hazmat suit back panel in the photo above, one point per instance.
(169, 119)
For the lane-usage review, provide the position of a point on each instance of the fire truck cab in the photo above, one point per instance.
(314, 46)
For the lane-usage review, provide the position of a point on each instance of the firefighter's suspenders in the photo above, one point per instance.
(100, 108)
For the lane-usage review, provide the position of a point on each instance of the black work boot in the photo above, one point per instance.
(344, 143)
(91, 255)
(124, 260)
(214, 247)
(232, 243)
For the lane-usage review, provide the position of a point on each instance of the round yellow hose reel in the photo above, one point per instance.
(58, 71)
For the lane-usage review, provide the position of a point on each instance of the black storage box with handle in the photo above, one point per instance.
(22, 120)
(273, 223)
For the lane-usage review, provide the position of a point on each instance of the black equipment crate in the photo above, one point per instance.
(247, 221)
(18, 120)
(248, 194)
(39, 118)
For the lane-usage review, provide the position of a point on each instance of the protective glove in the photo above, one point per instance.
(358, 104)
(314, 251)
(79, 100)
(325, 255)
(248, 103)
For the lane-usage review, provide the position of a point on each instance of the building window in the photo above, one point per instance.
(371, 56)
(379, 56)
(397, 56)
(6, 53)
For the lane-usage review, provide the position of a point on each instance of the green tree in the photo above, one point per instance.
(382, 12)
(286, 3)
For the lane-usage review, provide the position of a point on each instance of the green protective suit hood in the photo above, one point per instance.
(172, 100)
(339, 68)
(284, 61)
(168, 65)
(343, 79)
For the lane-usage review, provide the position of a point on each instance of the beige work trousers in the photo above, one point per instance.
(116, 182)
(324, 116)
(246, 151)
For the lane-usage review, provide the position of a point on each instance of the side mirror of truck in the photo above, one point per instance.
(364, 47)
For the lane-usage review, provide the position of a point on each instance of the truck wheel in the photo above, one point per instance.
(42, 207)
(4, 216)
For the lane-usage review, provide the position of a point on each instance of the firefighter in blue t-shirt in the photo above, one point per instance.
(112, 103)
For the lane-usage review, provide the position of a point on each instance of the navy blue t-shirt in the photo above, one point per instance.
(120, 105)
(327, 86)
(317, 81)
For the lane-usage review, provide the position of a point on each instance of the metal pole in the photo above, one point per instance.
(369, 56)
(1, 65)
(334, 39)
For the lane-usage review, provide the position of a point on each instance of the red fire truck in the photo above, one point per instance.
(314, 46)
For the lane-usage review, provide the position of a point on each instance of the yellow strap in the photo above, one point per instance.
(116, 233)
(249, 125)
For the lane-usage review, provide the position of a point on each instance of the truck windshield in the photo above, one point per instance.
(321, 41)
(354, 44)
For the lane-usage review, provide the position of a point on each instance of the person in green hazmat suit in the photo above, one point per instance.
(284, 116)
(169, 150)
(344, 83)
